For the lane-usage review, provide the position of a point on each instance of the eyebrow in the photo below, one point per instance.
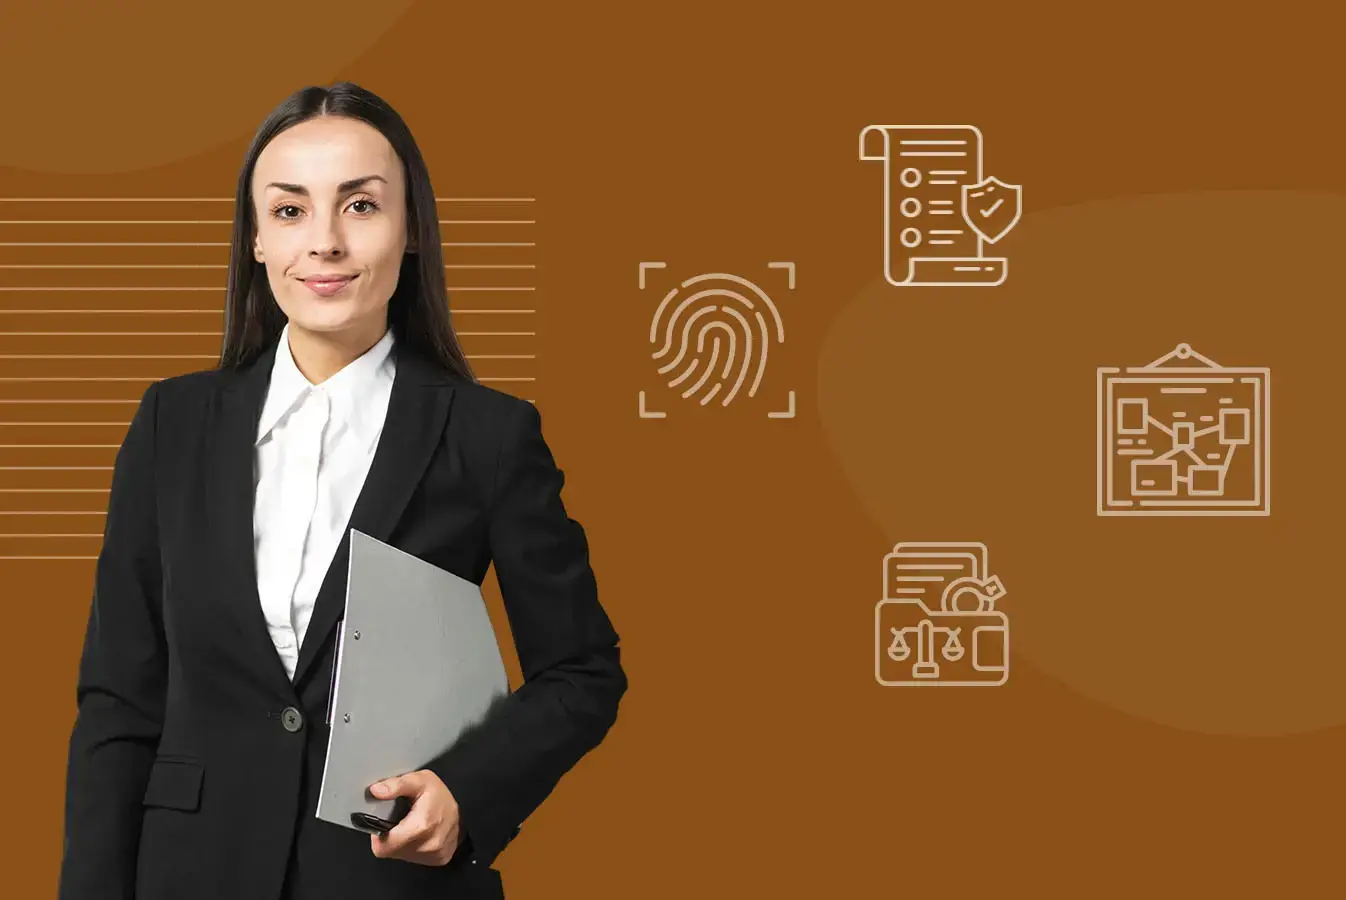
(341, 188)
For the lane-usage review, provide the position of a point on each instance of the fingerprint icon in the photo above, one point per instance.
(712, 334)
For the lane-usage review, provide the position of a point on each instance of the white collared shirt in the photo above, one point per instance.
(314, 447)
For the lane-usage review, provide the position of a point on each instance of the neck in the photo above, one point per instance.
(320, 355)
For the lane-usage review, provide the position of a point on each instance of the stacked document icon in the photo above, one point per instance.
(417, 666)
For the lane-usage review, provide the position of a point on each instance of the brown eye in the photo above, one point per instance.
(368, 203)
(279, 209)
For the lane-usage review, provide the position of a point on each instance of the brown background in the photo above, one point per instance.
(1160, 734)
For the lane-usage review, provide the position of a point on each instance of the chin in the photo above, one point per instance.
(330, 319)
(319, 324)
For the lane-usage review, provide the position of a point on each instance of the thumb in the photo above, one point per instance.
(391, 787)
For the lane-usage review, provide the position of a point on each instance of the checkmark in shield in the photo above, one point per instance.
(991, 207)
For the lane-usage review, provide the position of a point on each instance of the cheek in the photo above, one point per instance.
(380, 254)
(378, 242)
(279, 246)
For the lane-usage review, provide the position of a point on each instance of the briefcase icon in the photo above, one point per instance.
(937, 623)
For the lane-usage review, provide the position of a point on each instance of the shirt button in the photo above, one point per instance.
(292, 719)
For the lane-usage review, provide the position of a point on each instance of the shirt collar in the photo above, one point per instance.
(354, 391)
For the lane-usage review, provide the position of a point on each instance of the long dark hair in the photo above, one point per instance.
(418, 312)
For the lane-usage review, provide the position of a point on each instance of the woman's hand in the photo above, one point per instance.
(428, 835)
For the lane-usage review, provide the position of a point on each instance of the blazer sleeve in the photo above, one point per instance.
(121, 682)
(573, 678)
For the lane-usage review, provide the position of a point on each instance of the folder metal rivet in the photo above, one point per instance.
(346, 717)
(357, 635)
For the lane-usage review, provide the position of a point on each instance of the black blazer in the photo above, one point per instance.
(184, 780)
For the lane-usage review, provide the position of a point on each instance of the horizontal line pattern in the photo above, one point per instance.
(100, 296)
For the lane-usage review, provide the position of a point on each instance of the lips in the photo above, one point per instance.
(327, 285)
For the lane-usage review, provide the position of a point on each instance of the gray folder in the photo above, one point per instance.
(417, 665)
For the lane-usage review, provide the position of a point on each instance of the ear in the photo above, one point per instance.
(257, 249)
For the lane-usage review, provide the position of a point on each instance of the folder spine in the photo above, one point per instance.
(336, 667)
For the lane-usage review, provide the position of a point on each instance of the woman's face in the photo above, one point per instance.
(330, 199)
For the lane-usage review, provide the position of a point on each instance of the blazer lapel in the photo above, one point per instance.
(412, 429)
(233, 490)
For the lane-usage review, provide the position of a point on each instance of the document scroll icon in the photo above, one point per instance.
(939, 209)
(1184, 436)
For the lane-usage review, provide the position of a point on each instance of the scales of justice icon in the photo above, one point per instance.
(926, 667)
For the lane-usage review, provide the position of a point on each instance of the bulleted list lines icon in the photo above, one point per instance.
(712, 337)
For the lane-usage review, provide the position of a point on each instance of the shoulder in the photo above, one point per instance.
(176, 404)
(190, 385)
(176, 393)
(493, 411)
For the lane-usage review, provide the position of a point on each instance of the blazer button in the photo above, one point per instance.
(292, 719)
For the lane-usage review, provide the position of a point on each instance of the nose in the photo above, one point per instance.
(327, 239)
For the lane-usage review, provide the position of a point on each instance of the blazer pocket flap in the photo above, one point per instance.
(174, 784)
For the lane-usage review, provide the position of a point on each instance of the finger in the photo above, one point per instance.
(408, 785)
(387, 846)
(407, 834)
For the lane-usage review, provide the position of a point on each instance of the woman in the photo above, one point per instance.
(342, 400)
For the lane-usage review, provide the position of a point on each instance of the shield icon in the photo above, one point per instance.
(991, 207)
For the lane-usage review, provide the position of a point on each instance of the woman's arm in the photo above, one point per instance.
(567, 649)
(121, 686)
